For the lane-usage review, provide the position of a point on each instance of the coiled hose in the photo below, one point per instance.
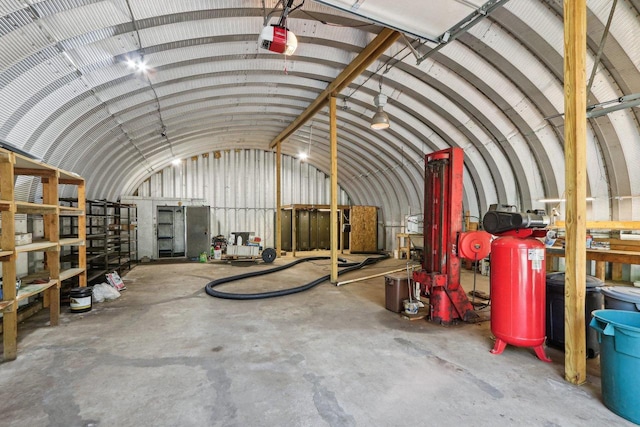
(346, 267)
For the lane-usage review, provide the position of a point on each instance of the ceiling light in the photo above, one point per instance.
(380, 120)
(138, 65)
(303, 156)
(278, 39)
(142, 67)
(176, 162)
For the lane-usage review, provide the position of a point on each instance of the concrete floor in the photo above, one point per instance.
(167, 354)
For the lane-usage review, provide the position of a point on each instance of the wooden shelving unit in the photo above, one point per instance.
(11, 166)
(72, 240)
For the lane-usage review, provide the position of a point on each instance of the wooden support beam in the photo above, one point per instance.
(600, 269)
(373, 276)
(294, 231)
(302, 207)
(616, 271)
(340, 227)
(604, 225)
(36, 172)
(82, 233)
(9, 272)
(333, 137)
(370, 53)
(10, 314)
(575, 101)
(71, 181)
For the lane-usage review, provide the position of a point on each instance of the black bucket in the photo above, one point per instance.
(80, 299)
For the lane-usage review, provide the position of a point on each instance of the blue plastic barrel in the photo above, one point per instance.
(619, 337)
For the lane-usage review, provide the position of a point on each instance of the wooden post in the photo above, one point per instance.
(616, 271)
(278, 198)
(333, 136)
(294, 230)
(575, 101)
(52, 234)
(82, 234)
(340, 232)
(10, 314)
(600, 269)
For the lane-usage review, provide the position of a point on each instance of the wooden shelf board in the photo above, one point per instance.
(70, 177)
(27, 163)
(71, 211)
(37, 246)
(27, 167)
(40, 274)
(72, 241)
(35, 208)
(4, 254)
(5, 304)
(30, 290)
(604, 225)
(72, 272)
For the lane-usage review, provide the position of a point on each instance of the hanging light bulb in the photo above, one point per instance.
(380, 120)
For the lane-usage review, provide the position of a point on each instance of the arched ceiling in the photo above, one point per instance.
(68, 96)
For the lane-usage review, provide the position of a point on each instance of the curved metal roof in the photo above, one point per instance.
(69, 97)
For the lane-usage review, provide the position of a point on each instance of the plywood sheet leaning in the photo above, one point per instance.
(364, 229)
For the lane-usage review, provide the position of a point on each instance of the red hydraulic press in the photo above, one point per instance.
(444, 242)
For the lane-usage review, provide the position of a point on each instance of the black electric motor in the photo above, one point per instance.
(497, 221)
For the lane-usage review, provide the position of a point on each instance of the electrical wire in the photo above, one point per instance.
(347, 267)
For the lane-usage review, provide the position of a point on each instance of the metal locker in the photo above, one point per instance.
(285, 227)
(313, 230)
(324, 230)
(302, 229)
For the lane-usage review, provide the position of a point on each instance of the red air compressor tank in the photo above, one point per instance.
(518, 290)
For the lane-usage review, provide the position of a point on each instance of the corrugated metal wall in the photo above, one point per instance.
(240, 187)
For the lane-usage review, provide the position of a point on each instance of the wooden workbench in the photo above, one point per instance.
(404, 243)
(601, 257)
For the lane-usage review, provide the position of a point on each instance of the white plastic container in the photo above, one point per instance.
(411, 307)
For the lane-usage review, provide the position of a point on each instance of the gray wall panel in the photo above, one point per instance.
(240, 187)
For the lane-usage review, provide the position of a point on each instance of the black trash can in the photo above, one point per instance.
(594, 300)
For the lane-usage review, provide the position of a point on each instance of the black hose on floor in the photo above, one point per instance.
(346, 267)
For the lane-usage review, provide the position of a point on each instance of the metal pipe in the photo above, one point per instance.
(603, 40)
(443, 252)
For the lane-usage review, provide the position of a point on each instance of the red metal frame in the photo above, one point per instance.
(440, 277)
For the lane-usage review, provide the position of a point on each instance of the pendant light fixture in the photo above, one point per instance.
(380, 120)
